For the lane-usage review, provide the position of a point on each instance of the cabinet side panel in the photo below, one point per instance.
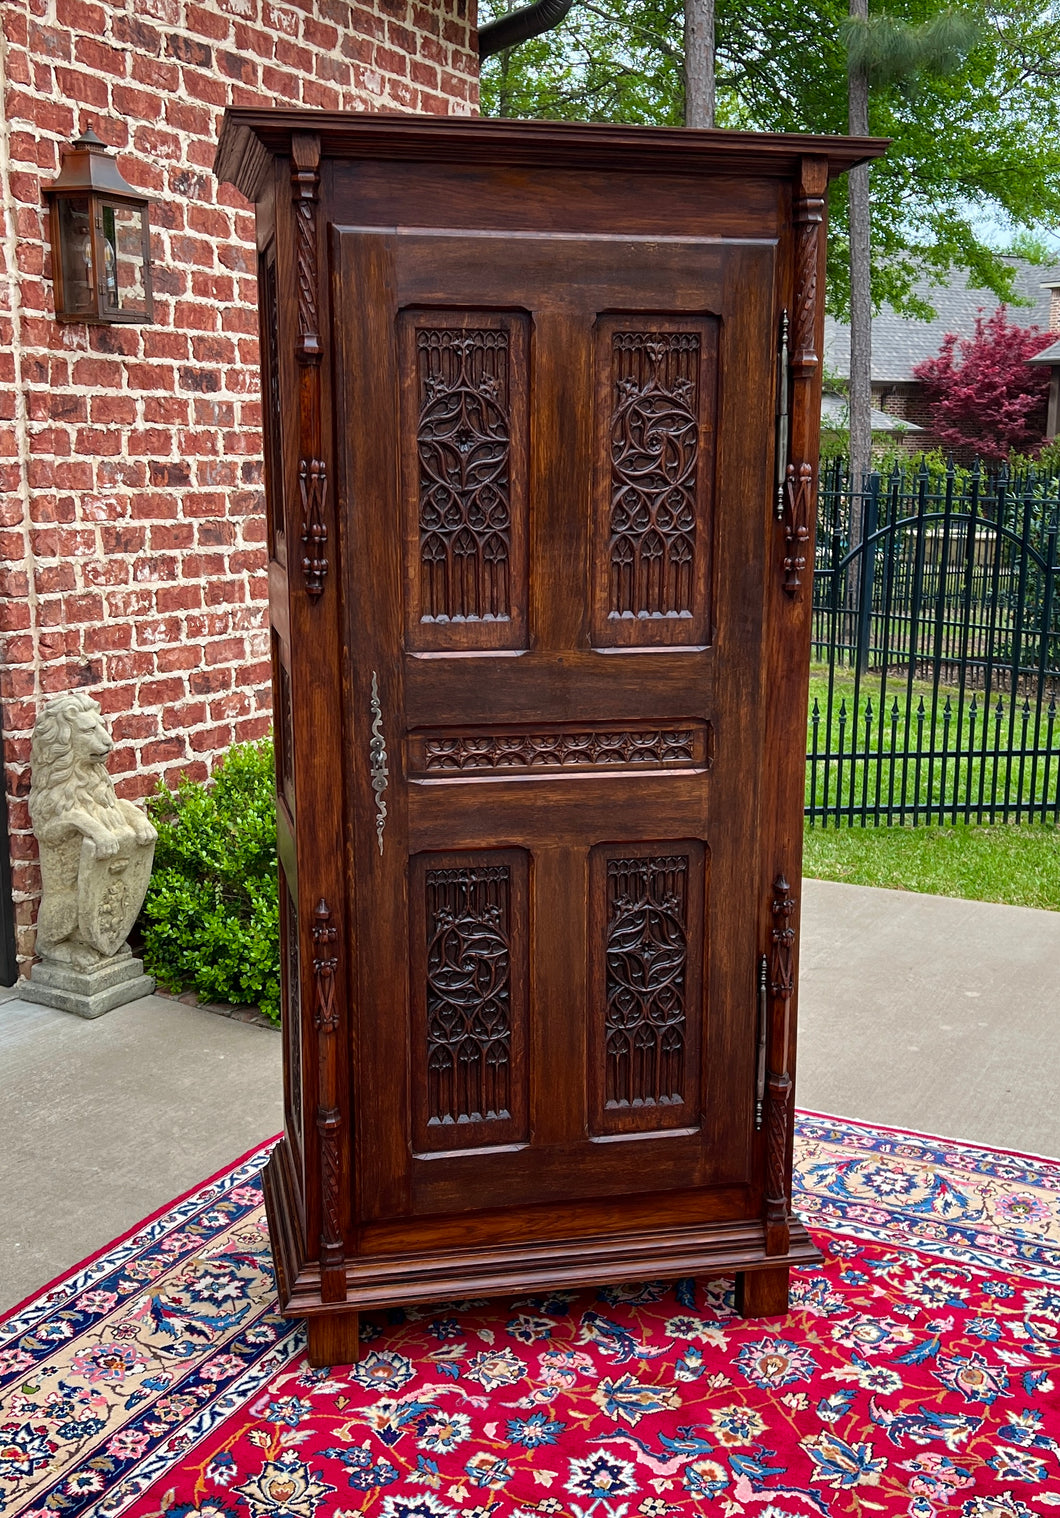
(291, 987)
(271, 402)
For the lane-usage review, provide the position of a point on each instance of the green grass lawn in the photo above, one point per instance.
(1018, 865)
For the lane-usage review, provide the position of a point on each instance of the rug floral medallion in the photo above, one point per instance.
(918, 1372)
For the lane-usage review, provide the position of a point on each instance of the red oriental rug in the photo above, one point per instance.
(917, 1373)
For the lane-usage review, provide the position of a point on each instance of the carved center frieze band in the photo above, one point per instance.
(585, 747)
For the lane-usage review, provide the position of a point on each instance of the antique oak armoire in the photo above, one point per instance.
(541, 409)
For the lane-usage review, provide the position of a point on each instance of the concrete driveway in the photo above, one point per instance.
(931, 1013)
(916, 1011)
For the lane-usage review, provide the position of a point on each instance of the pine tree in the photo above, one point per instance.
(886, 52)
(699, 63)
(980, 143)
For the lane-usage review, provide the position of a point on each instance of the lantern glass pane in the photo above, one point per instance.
(75, 245)
(124, 278)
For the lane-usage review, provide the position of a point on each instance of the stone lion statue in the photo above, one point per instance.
(96, 851)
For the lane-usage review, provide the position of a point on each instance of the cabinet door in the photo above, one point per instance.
(555, 456)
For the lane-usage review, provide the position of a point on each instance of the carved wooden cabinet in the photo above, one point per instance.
(541, 409)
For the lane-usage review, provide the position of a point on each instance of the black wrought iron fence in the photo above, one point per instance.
(935, 688)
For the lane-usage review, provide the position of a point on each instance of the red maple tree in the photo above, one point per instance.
(984, 394)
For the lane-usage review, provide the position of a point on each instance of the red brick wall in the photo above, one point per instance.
(908, 402)
(131, 516)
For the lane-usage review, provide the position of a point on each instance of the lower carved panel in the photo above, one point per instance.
(292, 1016)
(647, 935)
(469, 979)
(284, 723)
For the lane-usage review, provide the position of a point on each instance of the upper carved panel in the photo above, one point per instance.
(654, 453)
(655, 397)
(467, 546)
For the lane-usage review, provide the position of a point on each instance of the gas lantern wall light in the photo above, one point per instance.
(101, 247)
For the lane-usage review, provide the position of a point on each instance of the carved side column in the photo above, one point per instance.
(799, 500)
(312, 470)
(778, 1120)
(788, 650)
(329, 1118)
(316, 697)
(809, 220)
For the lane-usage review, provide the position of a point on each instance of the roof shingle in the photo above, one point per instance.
(900, 343)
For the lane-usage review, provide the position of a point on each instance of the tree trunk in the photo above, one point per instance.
(504, 99)
(860, 290)
(699, 63)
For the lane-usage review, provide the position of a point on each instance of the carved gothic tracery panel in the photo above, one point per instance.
(655, 393)
(650, 929)
(468, 477)
(654, 452)
(647, 958)
(473, 996)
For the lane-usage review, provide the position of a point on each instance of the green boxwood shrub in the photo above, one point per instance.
(211, 918)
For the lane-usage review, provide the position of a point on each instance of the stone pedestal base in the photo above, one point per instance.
(91, 992)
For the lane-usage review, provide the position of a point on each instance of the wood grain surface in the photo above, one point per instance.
(540, 674)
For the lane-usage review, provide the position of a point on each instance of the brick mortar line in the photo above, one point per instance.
(21, 418)
(43, 69)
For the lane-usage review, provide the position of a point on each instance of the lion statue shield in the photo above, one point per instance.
(96, 851)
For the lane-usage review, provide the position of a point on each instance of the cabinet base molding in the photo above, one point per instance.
(386, 1280)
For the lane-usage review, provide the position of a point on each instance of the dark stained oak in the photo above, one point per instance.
(762, 1293)
(540, 636)
(334, 1338)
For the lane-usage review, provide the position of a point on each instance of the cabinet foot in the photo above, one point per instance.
(334, 1338)
(762, 1293)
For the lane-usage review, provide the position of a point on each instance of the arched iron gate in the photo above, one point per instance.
(936, 649)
